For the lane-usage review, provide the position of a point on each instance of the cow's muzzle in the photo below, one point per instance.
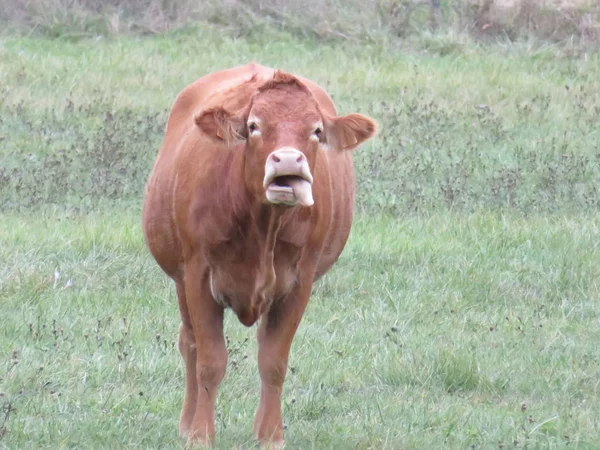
(288, 180)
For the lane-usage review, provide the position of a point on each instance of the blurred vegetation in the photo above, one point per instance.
(573, 23)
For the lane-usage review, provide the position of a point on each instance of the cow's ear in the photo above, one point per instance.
(221, 125)
(348, 132)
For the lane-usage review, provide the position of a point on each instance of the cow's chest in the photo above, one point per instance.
(243, 271)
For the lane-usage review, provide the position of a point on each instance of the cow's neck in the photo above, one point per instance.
(265, 276)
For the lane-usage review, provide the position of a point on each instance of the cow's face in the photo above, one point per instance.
(283, 129)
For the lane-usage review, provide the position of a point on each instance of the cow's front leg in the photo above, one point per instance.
(187, 348)
(211, 353)
(275, 334)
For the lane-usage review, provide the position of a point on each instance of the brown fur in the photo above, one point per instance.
(210, 228)
(281, 80)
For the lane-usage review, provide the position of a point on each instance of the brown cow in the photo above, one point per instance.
(249, 202)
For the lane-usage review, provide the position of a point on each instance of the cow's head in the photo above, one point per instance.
(282, 130)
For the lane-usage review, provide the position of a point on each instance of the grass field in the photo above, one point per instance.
(463, 313)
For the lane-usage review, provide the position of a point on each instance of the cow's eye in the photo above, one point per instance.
(252, 127)
(318, 133)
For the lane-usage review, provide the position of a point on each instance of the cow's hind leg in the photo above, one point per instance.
(211, 353)
(187, 348)
(275, 334)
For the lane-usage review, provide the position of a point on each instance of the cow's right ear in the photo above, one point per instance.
(221, 125)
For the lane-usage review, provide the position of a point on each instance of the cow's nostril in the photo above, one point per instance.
(300, 158)
(275, 158)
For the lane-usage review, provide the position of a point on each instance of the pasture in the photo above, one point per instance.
(464, 312)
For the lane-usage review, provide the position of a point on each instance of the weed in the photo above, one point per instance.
(77, 156)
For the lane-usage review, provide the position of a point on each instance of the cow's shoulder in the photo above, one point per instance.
(230, 89)
(321, 96)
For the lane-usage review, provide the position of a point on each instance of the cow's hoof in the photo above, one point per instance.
(196, 443)
(272, 445)
(184, 431)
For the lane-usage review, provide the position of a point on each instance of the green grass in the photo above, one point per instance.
(489, 127)
(462, 314)
(439, 332)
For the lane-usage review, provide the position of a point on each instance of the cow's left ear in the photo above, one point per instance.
(348, 132)
(221, 125)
